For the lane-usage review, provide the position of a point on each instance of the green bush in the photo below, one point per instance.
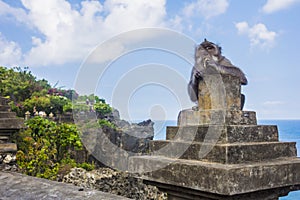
(68, 107)
(44, 147)
(58, 103)
(86, 166)
(102, 109)
(104, 122)
(42, 103)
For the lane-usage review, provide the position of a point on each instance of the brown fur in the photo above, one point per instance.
(210, 54)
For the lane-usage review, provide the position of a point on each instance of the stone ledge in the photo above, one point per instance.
(177, 192)
(228, 134)
(223, 179)
(190, 117)
(11, 123)
(224, 153)
(3, 100)
(7, 114)
(19, 186)
(5, 108)
(8, 147)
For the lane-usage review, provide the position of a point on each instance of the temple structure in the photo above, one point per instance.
(219, 151)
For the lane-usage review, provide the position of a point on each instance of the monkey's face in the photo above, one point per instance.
(211, 48)
(200, 54)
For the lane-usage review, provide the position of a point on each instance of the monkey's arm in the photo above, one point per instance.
(225, 67)
(193, 84)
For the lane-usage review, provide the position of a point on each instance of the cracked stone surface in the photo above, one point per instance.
(18, 186)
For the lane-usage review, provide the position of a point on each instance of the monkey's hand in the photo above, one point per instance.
(206, 61)
(198, 74)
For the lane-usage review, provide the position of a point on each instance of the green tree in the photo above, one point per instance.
(19, 84)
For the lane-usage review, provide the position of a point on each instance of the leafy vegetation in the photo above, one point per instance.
(44, 147)
(29, 94)
(103, 122)
(19, 84)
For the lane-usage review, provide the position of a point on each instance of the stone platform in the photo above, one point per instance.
(243, 159)
(219, 152)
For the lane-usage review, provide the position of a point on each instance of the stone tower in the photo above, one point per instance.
(219, 151)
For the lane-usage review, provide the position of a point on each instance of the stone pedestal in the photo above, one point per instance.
(219, 152)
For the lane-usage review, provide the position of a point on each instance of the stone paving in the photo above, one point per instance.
(18, 186)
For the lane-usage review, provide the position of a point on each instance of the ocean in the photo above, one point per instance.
(289, 131)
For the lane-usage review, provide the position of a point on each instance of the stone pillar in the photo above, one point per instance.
(219, 92)
(219, 151)
(219, 103)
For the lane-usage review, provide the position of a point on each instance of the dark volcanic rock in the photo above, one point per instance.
(115, 182)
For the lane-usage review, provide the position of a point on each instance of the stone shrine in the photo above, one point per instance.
(219, 151)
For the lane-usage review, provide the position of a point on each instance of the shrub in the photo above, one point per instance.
(86, 166)
(103, 123)
(44, 147)
(102, 109)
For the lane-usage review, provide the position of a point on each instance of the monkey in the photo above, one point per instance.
(208, 54)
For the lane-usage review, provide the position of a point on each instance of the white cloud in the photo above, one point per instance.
(206, 8)
(195, 15)
(273, 103)
(276, 5)
(18, 13)
(70, 33)
(10, 52)
(258, 34)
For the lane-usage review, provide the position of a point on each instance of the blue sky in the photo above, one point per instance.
(55, 38)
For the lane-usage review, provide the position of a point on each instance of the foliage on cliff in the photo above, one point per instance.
(44, 147)
(27, 93)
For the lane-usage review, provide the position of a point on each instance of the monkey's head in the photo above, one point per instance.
(213, 49)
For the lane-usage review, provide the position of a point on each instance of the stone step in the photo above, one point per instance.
(218, 178)
(221, 134)
(7, 132)
(5, 108)
(3, 101)
(11, 123)
(224, 153)
(4, 138)
(8, 147)
(7, 114)
(190, 117)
